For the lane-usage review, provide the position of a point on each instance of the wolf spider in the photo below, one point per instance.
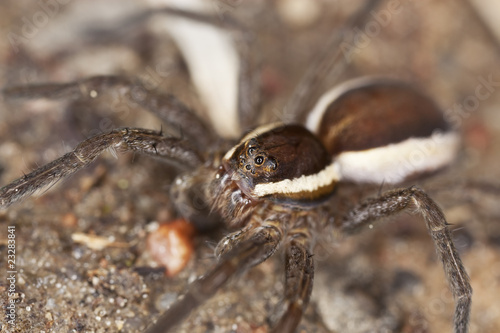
(274, 187)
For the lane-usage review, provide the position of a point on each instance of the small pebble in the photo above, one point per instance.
(171, 245)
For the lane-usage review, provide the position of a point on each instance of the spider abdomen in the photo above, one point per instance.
(383, 131)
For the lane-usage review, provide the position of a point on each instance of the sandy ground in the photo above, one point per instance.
(383, 280)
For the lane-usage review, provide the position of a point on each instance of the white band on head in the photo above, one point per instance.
(309, 183)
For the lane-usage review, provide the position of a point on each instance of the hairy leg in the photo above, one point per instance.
(126, 140)
(398, 200)
(168, 108)
(299, 270)
(327, 66)
(248, 78)
(249, 97)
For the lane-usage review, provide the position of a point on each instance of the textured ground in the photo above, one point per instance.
(384, 280)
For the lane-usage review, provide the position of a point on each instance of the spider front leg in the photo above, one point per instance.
(299, 270)
(398, 200)
(165, 106)
(126, 140)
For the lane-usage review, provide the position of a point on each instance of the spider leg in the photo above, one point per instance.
(248, 80)
(249, 97)
(126, 139)
(261, 242)
(168, 108)
(398, 200)
(328, 65)
(299, 280)
(231, 240)
(227, 23)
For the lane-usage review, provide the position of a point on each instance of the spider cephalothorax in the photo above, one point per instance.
(280, 162)
(273, 164)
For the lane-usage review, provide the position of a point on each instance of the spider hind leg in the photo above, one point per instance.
(394, 201)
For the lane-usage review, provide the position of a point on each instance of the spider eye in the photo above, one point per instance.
(259, 160)
(248, 167)
(251, 150)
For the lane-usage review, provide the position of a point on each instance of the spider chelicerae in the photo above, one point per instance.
(274, 186)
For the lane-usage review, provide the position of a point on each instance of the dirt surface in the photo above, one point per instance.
(384, 280)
